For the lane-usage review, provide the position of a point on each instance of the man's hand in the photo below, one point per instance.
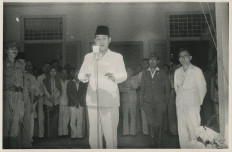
(86, 78)
(110, 76)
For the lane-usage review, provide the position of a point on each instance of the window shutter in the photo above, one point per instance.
(160, 49)
(72, 53)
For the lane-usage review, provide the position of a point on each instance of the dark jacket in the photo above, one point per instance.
(156, 89)
(155, 95)
(76, 97)
(47, 84)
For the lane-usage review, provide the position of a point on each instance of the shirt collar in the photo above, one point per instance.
(190, 67)
(156, 69)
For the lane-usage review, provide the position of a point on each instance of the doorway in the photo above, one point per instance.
(41, 52)
(199, 50)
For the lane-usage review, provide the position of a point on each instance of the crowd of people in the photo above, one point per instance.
(153, 98)
(56, 99)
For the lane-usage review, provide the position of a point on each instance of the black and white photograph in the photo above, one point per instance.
(115, 75)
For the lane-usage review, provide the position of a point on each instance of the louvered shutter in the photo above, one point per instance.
(72, 53)
(160, 49)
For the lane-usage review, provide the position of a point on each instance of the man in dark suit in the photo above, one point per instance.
(155, 94)
(76, 92)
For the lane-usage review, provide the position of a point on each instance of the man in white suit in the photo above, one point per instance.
(103, 71)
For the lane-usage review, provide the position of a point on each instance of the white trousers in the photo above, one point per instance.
(189, 120)
(76, 122)
(64, 117)
(129, 110)
(108, 123)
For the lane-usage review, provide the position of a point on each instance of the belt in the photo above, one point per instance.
(15, 89)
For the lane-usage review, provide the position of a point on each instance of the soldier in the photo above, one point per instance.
(155, 94)
(30, 91)
(13, 103)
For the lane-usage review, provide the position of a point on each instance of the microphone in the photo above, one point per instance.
(96, 53)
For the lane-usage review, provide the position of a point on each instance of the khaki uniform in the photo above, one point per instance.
(30, 89)
(13, 105)
(129, 102)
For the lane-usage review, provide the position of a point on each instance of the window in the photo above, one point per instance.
(188, 25)
(43, 28)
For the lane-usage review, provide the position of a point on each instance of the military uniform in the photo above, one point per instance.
(13, 103)
(30, 89)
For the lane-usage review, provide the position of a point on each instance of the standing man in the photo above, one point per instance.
(155, 94)
(64, 113)
(129, 103)
(46, 69)
(144, 125)
(30, 92)
(76, 92)
(13, 102)
(103, 70)
(190, 87)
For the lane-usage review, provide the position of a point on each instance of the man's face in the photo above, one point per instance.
(139, 68)
(72, 73)
(153, 62)
(185, 58)
(102, 41)
(64, 74)
(28, 66)
(12, 52)
(55, 64)
(53, 72)
(145, 64)
(166, 69)
(46, 68)
(129, 72)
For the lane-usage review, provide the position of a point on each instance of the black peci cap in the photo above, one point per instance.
(102, 30)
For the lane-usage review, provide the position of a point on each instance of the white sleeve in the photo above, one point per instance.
(201, 85)
(120, 74)
(84, 70)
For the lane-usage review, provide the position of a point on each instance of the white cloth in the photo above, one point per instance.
(108, 95)
(40, 106)
(129, 113)
(76, 122)
(64, 114)
(190, 87)
(108, 92)
(40, 84)
(108, 124)
(64, 117)
(64, 97)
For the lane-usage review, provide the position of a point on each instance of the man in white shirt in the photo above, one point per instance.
(46, 68)
(190, 87)
(64, 113)
(103, 71)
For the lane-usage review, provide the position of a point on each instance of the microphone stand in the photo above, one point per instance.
(98, 113)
